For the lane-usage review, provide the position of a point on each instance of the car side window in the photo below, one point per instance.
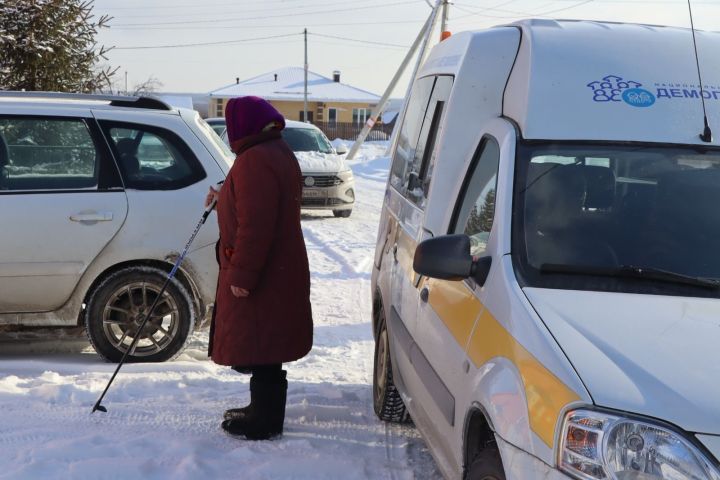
(152, 158)
(424, 159)
(47, 154)
(410, 131)
(477, 200)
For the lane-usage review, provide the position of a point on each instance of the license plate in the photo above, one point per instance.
(311, 193)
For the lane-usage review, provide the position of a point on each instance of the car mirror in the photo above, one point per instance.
(481, 269)
(414, 182)
(341, 149)
(448, 258)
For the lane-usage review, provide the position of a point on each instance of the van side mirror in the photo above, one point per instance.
(448, 258)
(414, 182)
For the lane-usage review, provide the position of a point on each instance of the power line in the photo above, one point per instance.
(368, 42)
(515, 14)
(367, 7)
(204, 8)
(357, 45)
(235, 27)
(205, 44)
(192, 5)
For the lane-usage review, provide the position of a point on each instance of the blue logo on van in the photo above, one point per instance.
(638, 97)
(611, 88)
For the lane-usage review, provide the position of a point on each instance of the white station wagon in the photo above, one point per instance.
(98, 195)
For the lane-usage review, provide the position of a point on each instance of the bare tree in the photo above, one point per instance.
(151, 85)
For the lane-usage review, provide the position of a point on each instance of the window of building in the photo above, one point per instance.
(301, 116)
(332, 116)
(361, 115)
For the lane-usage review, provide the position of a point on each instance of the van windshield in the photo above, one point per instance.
(633, 218)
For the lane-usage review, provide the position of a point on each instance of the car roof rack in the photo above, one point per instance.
(115, 100)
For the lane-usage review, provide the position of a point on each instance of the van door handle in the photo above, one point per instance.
(92, 217)
(424, 294)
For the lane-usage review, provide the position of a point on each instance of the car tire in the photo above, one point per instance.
(387, 402)
(118, 305)
(487, 465)
(342, 213)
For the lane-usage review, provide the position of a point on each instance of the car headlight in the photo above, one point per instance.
(345, 175)
(596, 445)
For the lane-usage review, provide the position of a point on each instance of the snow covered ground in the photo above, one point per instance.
(163, 419)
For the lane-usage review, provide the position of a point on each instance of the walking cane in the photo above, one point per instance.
(154, 304)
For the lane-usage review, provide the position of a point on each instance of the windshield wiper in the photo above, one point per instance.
(631, 271)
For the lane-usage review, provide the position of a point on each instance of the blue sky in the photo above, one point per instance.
(374, 34)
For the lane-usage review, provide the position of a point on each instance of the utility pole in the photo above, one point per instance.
(305, 110)
(443, 24)
(421, 43)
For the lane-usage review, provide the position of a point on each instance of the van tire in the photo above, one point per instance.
(387, 402)
(487, 465)
(108, 301)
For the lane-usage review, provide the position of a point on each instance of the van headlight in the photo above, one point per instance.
(597, 445)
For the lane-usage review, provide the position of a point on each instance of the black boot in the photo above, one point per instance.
(265, 416)
(238, 413)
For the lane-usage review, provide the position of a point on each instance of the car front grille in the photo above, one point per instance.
(321, 181)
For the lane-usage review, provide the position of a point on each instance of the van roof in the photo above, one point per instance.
(604, 81)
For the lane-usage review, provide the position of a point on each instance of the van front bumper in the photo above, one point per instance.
(520, 465)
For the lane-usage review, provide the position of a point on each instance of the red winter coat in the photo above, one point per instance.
(262, 250)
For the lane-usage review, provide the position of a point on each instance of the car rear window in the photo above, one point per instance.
(47, 154)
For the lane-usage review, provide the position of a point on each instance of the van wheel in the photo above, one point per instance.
(386, 399)
(486, 466)
(342, 213)
(118, 306)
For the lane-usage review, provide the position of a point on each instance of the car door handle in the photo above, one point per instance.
(92, 217)
(424, 294)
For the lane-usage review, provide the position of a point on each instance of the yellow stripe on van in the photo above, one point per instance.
(406, 246)
(546, 394)
(455, 302)
(458, 308)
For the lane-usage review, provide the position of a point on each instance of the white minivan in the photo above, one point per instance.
(546, 283)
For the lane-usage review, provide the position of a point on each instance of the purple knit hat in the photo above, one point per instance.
(247, 116)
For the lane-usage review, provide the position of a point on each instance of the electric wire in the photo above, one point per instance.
(321, 12)
(205, 44)
(368, 42)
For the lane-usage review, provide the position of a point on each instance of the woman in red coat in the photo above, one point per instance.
(262, 311)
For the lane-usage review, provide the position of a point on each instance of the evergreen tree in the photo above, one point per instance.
(49, 45)
(488, 211)
(481, 220)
